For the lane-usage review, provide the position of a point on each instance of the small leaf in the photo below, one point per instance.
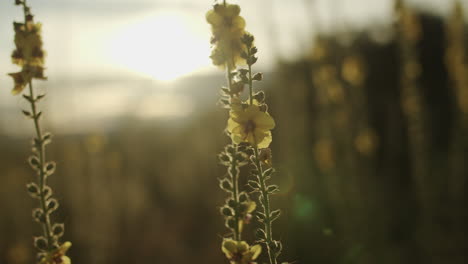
(253, 184)
(243, 71)
(243, 197)
(225, 184)
(52, 205)
(231, 223)
(47, 192)
(260, 216)
(26, 113)
(226, 211)
(258, 76)
(33, 189)
(34, 162)
(224, 91)
(274, 215)
(50, 168)
(272, 189)
(38, 215)
(253, 50)
(58, 229)
(40, 243)
(260, 234)
(268, 172)
(39, 97)
(47, 138)
(224, 159)
(231, 203)
(276, 246)
(28, 98)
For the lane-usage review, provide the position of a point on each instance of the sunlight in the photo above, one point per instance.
(163, 46)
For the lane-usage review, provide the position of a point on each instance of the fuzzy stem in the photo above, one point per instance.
(234, 172)
(250, 78)
(42, 174)
(266, 207)
(263, 185)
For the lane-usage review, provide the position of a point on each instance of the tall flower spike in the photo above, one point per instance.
(29, 55)
(227, 28)
(249, 127)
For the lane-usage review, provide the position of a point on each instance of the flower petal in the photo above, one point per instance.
(264, 121)
(242, 247)
(231, 125)
(255, 250)
(229, 247)
(266, 140)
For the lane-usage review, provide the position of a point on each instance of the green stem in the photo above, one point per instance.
(234, 172)
(42, 174)
(266, 203)
(263, 186)
(250, 78)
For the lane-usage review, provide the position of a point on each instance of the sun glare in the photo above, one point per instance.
(164, 46)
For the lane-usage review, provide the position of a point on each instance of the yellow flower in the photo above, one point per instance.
(246, 209)
(22, 78)
(28, 43)
(239, 252)
(250, 125)
(20, 81)
(227, 28)
(57, 256)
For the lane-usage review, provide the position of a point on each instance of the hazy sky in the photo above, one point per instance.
(81, 35)
(140, 41)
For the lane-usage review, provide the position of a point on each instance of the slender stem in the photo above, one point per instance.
(263, 187)
(250, 78)
(266, 203)
(42, 174)
(234, 172)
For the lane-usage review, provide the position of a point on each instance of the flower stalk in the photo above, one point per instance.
(249, 127)
(29, 55)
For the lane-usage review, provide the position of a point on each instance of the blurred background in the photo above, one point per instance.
(370, 100)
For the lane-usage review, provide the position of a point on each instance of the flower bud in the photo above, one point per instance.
(243, 197)
(38, 215)
(226, 211)
(33, 189)
(58, 229)
(52, 205)
(40, 243)
(258, 76)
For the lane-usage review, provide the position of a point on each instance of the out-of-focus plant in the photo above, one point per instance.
(249, 127)
(29, 55)
(409, 34)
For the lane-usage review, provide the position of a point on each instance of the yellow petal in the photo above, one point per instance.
(229, 247)
(213, 18)
(232, 10)
(255, 250)
(251, 207)
(264, 121)
(265, 141)
(238, 23)
(66, 260)
(231, 125)
(242, 247)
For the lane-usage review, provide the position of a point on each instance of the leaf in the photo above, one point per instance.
(274, 215)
